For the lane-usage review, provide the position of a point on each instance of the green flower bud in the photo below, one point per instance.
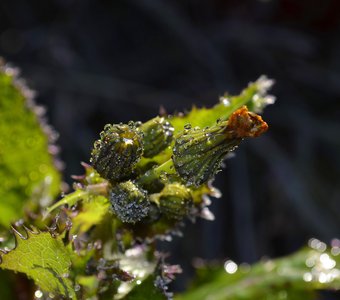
(118, 150)
(175, 201)
(198, 153)
(158, 135)
(129, 202)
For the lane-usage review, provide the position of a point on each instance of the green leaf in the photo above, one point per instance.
(27, 168)
(92, 213)
(297, 276)
(89, 284)
(43, 258)
(146, 290)
(254, 97)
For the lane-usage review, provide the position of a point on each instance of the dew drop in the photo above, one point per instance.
(244, 267)
(317, 245)
(107, 127)
(38, 294)
(323, 278)
(310, 262)
(327, 262)
(225, 101)
(307, 277)
(163, 176)
(131, 123)
(230, 267)
(335, 251)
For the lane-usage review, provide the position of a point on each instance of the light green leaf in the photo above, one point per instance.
(89, 284)
(92, 213)
(27, 168)
(297, 276)
(255, 97)
(43, 258)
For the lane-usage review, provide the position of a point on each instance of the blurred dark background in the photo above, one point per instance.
(98, 62)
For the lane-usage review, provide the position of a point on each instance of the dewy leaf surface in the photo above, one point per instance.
(304, 272)
(255, 97)
(44, 259)
(26, 166)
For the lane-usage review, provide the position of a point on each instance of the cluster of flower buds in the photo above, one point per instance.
(195, 156)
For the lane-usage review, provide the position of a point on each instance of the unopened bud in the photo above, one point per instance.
(129, 202)
(116, 153)
(175, 201)
(198, 153)
(157, 134)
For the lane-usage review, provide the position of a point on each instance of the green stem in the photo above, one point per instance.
(165, 168)
(69, 199)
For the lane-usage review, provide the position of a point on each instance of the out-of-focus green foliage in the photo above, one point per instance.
(297, 276)
(136, 262)
(44, 259)
(27, 170)
(146, 290)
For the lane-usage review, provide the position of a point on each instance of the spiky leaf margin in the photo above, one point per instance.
(43, 258)
(28, 168)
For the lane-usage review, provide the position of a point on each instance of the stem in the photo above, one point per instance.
(69, 199)
(73, 198)
(167, 168)
(98, 189)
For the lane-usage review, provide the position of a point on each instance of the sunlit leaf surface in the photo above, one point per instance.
(43, 258)
(255, 97)
(92, 213)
